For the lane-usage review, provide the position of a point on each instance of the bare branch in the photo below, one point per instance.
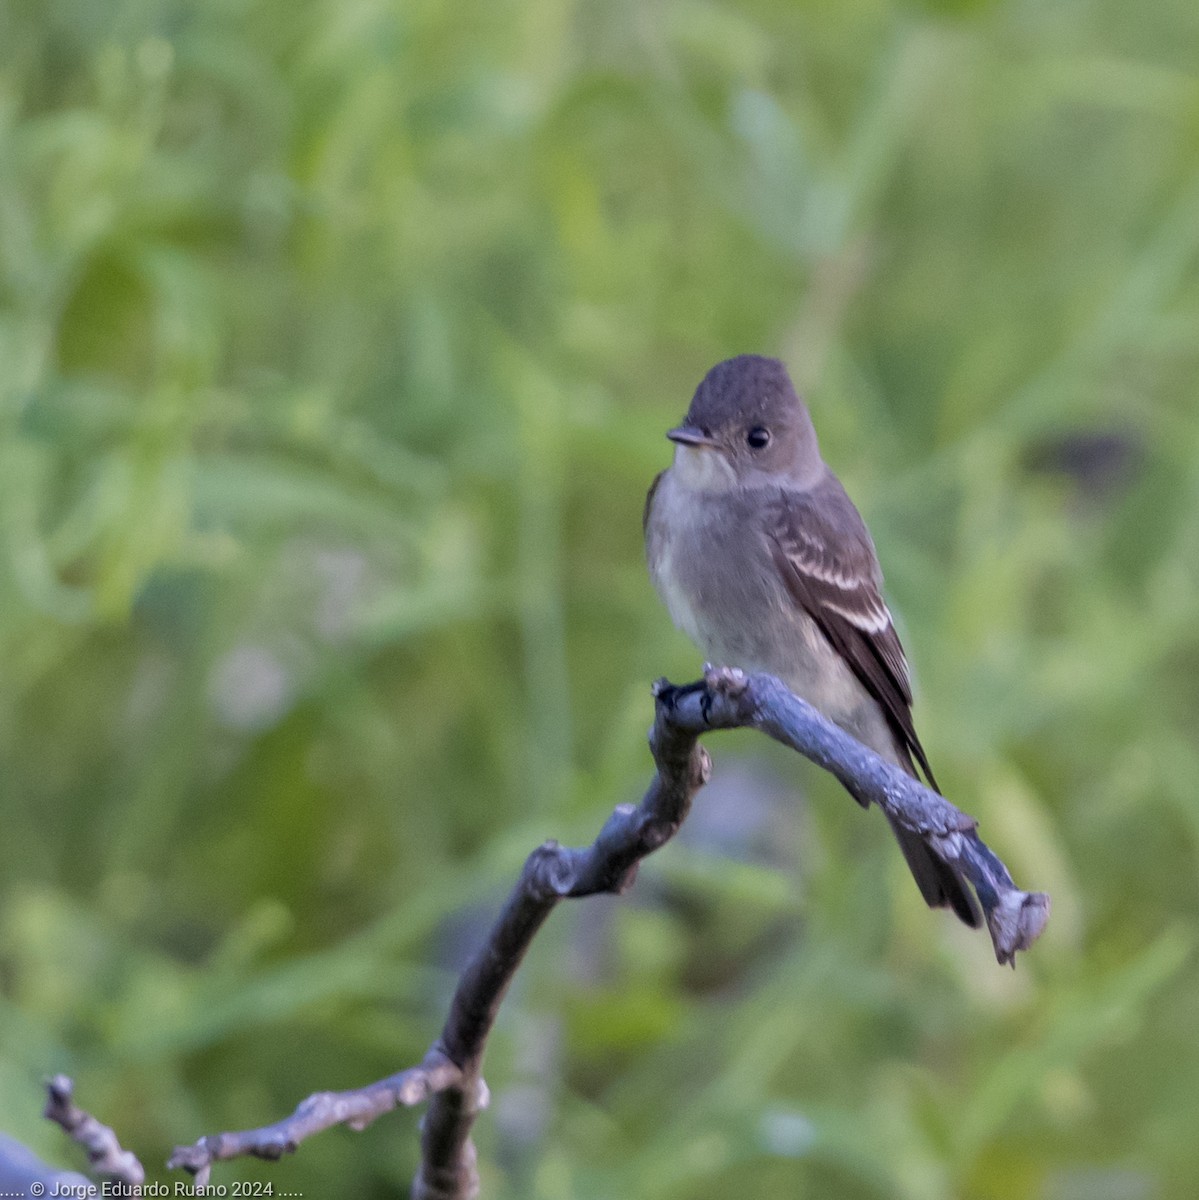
(729, 699)
(103, 1149)
(356, 1108)
(450, 1075)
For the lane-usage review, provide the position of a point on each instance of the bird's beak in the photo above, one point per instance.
(688, 435)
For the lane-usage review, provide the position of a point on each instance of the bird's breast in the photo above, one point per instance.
(711, 563)
(682, 604)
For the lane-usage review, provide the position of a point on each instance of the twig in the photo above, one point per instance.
(356, 1108)
(450, 1075)
(103, 1149)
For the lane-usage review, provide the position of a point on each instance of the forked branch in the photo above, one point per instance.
(450, 1075)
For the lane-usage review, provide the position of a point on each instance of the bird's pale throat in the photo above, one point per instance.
(703, 469)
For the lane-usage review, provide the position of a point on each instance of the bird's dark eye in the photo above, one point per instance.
(758, 437)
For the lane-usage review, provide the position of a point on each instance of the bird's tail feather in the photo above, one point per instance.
(940, 884)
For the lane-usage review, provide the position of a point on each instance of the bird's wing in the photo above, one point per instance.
(649, 501)
(824, 553)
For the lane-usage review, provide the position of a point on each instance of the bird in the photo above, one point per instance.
(762, 559)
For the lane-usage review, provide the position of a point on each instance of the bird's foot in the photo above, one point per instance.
(670, 694)
(729, 682)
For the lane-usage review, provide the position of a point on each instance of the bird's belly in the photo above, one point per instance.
(745, 618)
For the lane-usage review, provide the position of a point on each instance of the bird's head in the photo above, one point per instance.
(746, 426)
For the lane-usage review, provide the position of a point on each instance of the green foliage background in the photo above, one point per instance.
(337, 339)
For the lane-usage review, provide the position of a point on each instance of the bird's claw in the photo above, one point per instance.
(670, 694)
(716, 681)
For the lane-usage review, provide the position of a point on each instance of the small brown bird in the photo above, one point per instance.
(765, 563)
